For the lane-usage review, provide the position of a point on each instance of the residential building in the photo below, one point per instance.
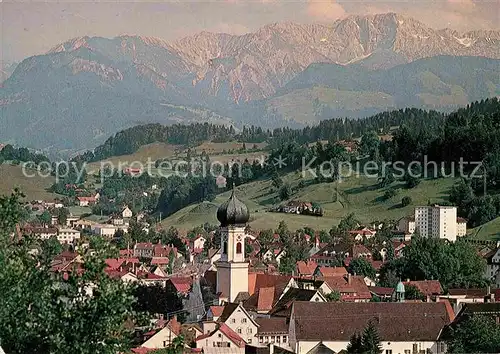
(220, 341)
(105, 230)
(126, 213)
(162, 337)
(272, 330)
(240, 321)
(68, 235)
(85, 201)
(439, 222)
(492, 271)
(400, 325)
(407, 224)
(42, 232)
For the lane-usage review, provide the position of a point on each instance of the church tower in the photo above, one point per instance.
(232, 269)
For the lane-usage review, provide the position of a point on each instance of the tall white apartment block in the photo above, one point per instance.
(437, 221)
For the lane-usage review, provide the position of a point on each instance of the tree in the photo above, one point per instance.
(285, 192)
(348, 223)
(43, 313)
(355, 345)
(371, 339)
(369, 143)
(157, 299)
(334, 296)
(266, 237)
(50, 248)
(390, 193)
(361, 266)
(45, 218)
(62, 215)
(475, 334)
(412, 293)
(406, 201)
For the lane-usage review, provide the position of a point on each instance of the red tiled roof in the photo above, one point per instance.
(272, 325)
(153, 276)
(333, 271)
(306, 268)
(126, 252)
(427, 287)
(113, 263)
(174, 326)
(181, 284)
(261, 280)
(266, 299)
(356, 289)
(358, 250)
(378, 290)
(159, 260)
(86, 199)
(232, 335)
(217, 310)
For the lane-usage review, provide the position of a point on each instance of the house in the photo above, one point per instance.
(274, 254)
(240, 321)
(105, 230)
(221, 340)
(400, 325)
(305, 269)
(42, 232)
(330, 271)
(214, 312)
(197, 243)
(162, 337)
(283, 307)
(382, 293)
(459, 297)
(492, 270)
(407, 224)
(352, 288)
(126, 213)
(265, 290)
(461, 227)
(362, 234)
(272, 330)
(181, 285)
(85, 201)
(428, 288)
(68, 236)
(143, 250)
(132, 171)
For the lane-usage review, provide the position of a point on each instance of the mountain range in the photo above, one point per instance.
(83, 90)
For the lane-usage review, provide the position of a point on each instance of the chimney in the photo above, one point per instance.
(349, 278)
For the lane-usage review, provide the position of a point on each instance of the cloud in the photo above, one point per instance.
(325, 10)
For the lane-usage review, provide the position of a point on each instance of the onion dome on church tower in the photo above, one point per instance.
(233, 211)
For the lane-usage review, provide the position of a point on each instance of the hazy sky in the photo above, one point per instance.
(33, 27)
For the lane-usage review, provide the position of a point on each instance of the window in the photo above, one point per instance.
(266, 339)
(233, 320)
(220, 335)
(238, 330)
(249, 340)
(261, 340)
(388, 351)
(243, 320)
(284, 339)
(238, 248)
(249, 330)
(415, 348)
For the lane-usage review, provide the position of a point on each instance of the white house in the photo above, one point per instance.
(68, 235)
(400, 325)
(162, 337)
(492, 271)
(105, 230)
(126, 212)
(220, 341)
(240, 321)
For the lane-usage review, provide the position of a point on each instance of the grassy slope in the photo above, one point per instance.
(33, 187)
(356, 195)
(488, 231)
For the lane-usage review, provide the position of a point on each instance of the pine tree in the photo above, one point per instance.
(355, 345)
(371, 339)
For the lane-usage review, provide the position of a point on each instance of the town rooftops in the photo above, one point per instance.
(272, 325)
(337, 321)
(426, 287)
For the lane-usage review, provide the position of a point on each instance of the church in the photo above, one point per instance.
(232, 268)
